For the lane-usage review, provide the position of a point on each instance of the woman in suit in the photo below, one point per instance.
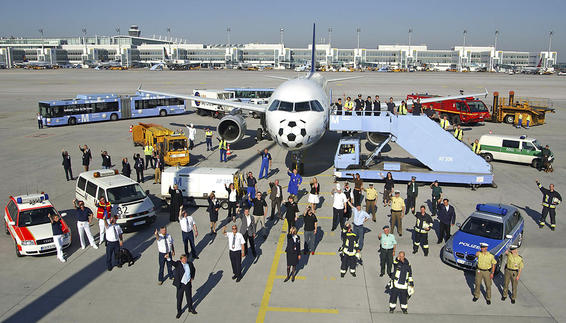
(313, 196)
(126, 168)
(293, 253)
(213, 207)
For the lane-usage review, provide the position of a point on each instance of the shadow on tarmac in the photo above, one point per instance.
(204, 289)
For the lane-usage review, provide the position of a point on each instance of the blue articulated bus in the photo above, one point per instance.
(107, 107)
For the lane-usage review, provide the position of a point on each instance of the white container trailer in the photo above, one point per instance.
(196, 183)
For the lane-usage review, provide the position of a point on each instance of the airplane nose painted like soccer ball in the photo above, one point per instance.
(292, 133)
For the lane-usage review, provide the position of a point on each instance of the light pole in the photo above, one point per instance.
(549, 46)
(410, 52)
(330, 37)
(228, 31)
(463, 50)
(84, 42)
(118, 42)
(41, 32)
(494, 51)
(169, 36)
(281, 31)
(358, 30)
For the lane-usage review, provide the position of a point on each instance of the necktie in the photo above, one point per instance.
(166, 244)
(187, 222)
(116, 232)
(233, 240)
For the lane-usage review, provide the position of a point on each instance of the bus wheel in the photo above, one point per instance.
(72, 121)
(162, 113)
(114, 117)
(488, 157)
(510, 119)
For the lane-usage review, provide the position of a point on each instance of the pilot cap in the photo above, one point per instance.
(338, 187)
(385, 227)
(484, 245)
(397, 192)
(513, 247)
(413, 177)
(192, 125)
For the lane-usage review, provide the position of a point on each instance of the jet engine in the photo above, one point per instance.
(376, 138)
(232, 128)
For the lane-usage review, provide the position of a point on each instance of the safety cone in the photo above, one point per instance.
(228, 152)
(131, 127)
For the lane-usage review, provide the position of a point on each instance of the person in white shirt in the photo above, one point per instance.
(191, 135)
(339, 207)
(189, 231)
(236, 246)
(166, 253)
(114, 241)
(232, 201)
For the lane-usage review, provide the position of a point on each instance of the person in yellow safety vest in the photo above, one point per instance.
(208, 136)
(529, 119)
(402, 110)
(476, 147)
(348, 106)
(444, 123)
(148, 152)
(458, 133)
(222, 147)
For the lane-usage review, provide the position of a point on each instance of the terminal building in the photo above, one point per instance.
(133, 50)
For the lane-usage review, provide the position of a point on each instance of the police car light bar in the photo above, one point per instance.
(34, 198)
(491, 209)
(109, 172)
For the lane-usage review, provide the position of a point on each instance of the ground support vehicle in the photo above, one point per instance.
(173, 145)
(511, 109)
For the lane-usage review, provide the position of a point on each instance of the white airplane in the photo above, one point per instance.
(297, 113)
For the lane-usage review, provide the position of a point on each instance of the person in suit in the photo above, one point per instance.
(276, 197)
(447, 217)
(293, 251)
(106, 160)
(126, 168)
(247, 229)
(213, 207)
(183, 276)
(138, 166)
(176, 202)
(67, 165)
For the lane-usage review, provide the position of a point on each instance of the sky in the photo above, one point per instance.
(523, 25)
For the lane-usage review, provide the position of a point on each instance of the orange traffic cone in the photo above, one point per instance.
(131, 127)
(228, 152)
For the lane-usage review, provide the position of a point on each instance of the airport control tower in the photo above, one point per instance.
(134, 31)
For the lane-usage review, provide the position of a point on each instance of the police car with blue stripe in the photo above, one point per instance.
(498, 225)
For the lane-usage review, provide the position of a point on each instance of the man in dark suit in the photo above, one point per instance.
(447, 217)
(176, 202)
(67, 165)
(183, 276)
(276, 197)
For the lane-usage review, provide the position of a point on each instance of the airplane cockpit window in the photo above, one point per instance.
(286, 106)
(274, 105)
(316, 106)
(302, 106)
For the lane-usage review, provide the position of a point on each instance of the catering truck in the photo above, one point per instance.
(196, 183)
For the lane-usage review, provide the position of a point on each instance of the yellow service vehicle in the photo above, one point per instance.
(512, 109)
(173, 145)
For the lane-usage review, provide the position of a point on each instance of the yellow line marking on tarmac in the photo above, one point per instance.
(324, 217)
(296, 277)
(302, 310)
(325, 253)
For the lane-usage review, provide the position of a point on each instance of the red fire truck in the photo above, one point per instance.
(468, 110)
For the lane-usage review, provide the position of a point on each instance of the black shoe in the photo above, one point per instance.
(391, 310)
(235, 276)
(415, 251)
(342, 275)
(439, 242)
(178, 315)
(109, 269)
(488, 302)
(193, 311)
(286, 279)
(381, 275)
(195, 257)
(512, 301)
(293, 278)
(404, 311)
(503, 298)
(354, 274)
(238, 280)
(551, 228)
(475, 299)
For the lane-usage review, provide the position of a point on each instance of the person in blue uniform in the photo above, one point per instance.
(265, 163)
(294, 181)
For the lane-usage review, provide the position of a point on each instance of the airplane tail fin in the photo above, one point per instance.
(540, 62)
(313, 53)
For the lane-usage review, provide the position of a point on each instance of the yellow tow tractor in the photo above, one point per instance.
(512, 109)
(173, 145)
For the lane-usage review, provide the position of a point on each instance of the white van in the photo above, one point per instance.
(129, 202)
(197, 182)
(519, 149)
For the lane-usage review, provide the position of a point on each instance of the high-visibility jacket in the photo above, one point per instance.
(348, 105)
(222, 144)
(102, 207)
(444, 124)
(476, 148)
(350, 245)
(402, 110)
(208, 134)
(549, 199)
(458, 134)
(402, 274)
(423, 223)
(148, 150)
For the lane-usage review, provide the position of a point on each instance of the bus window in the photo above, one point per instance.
(302, 106)
(44, 110)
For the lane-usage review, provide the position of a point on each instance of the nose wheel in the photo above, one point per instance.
(297, 163)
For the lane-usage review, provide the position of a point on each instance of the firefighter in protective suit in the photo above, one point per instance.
(350, 252)
(401, 285)
(550, 200)
(423, 224)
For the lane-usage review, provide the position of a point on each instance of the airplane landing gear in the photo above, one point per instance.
(297, 163)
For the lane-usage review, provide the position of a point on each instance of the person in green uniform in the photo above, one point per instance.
(513, 270)
(485, 271)
(436, 197)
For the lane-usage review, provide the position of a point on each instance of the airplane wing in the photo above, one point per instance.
(234, 104)
(343, 79)
(441, 98)
(277, 77)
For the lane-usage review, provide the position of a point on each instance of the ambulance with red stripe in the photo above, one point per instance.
(26, 218)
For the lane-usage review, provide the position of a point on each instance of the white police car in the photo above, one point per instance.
(498, 225)
(26, 219)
